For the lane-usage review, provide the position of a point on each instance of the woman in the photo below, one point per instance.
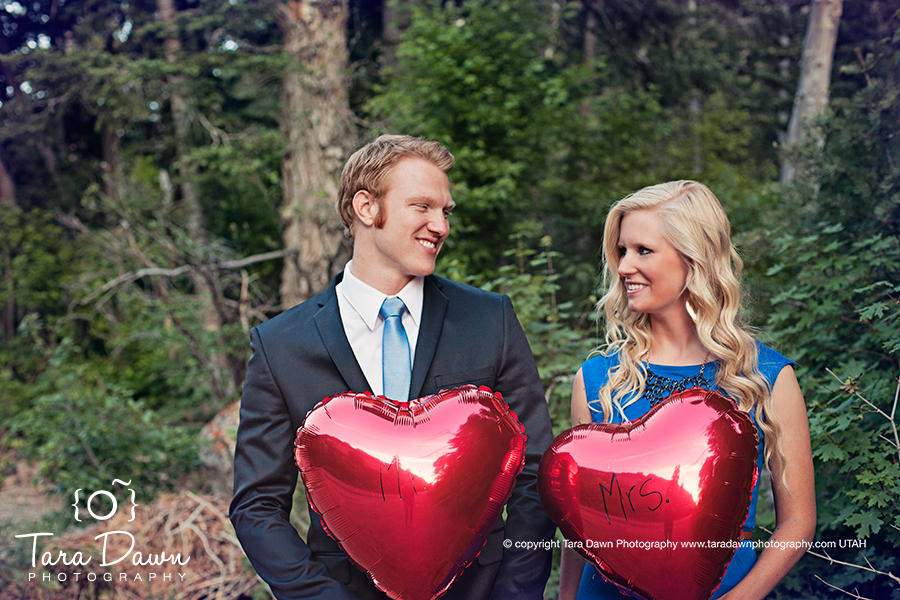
(671, 312)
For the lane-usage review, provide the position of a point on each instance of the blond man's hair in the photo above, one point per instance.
(368, 168)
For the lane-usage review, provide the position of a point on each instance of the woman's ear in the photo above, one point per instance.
(365, 207)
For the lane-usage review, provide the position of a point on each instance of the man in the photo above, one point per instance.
(394, 198)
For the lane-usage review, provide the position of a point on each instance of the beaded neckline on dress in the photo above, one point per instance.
(657, 388)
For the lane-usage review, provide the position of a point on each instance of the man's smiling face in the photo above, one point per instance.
(414, 222)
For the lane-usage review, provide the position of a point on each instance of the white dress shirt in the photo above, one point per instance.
(359, 304)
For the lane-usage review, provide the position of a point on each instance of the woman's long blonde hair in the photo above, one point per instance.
(694, 222)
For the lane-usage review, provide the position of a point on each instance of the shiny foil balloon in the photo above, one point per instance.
(646, 501)
(410, 491)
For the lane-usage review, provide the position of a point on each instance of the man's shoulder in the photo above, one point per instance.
(454, 290)
(298, 317)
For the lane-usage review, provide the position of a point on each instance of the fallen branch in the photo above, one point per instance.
(131, 277)
(243, 262)
(160, 272)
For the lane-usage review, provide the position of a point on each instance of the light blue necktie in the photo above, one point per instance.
(395, 364)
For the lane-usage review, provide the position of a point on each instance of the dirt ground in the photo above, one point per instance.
(21, 501)
(194, 526)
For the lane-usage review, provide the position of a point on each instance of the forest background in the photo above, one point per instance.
(168, 168)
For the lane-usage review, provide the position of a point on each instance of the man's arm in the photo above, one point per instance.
(264, 480)
(523, 573)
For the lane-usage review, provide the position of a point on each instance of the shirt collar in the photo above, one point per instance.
(367, 301)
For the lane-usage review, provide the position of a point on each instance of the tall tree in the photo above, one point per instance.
(394, 18)
(182, 116)
(590, 36)
(7, 186)
(315, 120)
(811, 98)
(8, 198)
(113, 98)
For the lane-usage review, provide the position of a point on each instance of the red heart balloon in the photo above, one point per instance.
(410, 491)
(656, 504)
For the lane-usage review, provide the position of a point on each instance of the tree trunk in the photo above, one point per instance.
(390, 33)
(8, 198)
(695, 103)
(7, 186)
(204, 280)
(181, 116)
(112, 170)
(811, 98)
(590, 33)
(396, 17)
(315, 120)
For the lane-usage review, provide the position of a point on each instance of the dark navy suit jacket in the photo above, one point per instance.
(302, 356)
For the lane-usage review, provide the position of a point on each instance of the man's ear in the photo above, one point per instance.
(365, 207)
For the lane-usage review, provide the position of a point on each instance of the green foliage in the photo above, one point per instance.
(86, 431)
(850, 281)
(154, 331)
(556, 331)
(33, 254)
(241, 186)
(547, 143)
(93, 137)
(476, 77)
(35, 258)
(693, 52)
(837, 313)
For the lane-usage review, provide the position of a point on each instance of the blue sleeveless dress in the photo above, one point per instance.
(595, 371)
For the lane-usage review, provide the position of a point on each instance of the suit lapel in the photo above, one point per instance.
(331, 330)
(434, 308)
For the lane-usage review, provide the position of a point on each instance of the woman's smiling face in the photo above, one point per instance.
(652, 270)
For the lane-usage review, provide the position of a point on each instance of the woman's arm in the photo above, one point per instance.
(570, 569)
(795, 508)
(580, 412)
(572, 563)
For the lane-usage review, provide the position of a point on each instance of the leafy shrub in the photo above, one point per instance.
(556, 331)
(86, 432)
(837, 313)
(840, 319)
